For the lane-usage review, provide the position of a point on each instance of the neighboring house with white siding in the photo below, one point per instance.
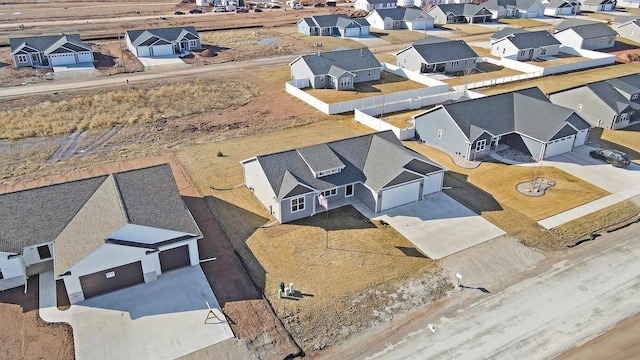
(98, 234)
(523, 45)
(436, 54)
(400, 18)
(49, 51)
(370, 5)
(627, 27)
(375, 169)
(584, 34)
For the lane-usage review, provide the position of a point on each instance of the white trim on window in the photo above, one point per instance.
(346, 190)
(22, 58)
(297, 204)
(330, 192)
(439, 134)
(481, 145)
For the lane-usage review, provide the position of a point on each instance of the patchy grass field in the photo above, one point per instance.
(346, 284)
(490, 191)
(59, 116)
(492, 72)
(565, 81)
(466, 29)
(403, 119)
(329, 43)
(388, 83)
(398, 36)
(560, 59)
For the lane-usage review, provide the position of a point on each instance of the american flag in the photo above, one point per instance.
(323, 202)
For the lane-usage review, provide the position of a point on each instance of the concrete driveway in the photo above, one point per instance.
(438, 225)
(169, 60)
(162, 319)
(88, 66)
(579, 164)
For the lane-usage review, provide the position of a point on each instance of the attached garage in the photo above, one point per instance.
(61, 59)
(559, 146)
(400, 195)
(174, 258)
(581, 137)
(144, 51)
(113, 279)
(432, 183)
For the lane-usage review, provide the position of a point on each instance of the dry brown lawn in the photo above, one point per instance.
(388, 83)
(403, 119)
(481, 51)
(559, 60)
(490, 191)
(628, 137)
(522, 22)
(397, 36)
(565, 81)
(329, 43)
(341, 281)
(466, 79)
(60, 116)
(466, 29)
(388, 58)
(597, 222)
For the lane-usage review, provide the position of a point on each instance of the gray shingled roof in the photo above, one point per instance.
(629, 83)
(607, 93)
(402, 13)
(76, 210)
(461, 9)
(442, 51)
(625, 19)
(558, 4)
(586, 29)
(506, 32)
(373, 159)
(320, 157)
(149, 36)
(349, 60)
(533, 39)
(337, 20)
(527, 111)
(381, 1)
(520, 4)
(48, 44)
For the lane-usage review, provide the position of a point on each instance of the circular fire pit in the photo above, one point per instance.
(537, 187)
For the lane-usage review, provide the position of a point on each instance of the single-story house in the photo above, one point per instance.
(559, 8)
(375, 169)
(337, 69)
(98, 234)
(333, 25)
(163, 41)
(597, 5)
(400, 18)
(524, 120)
(584, 34)
(413, 3)
(459, 13)
(49, 51)
(627, 27)
(610, 104)
(628, 3)
(515, 8)
(436, 54)
(522, 45)
(370, 5)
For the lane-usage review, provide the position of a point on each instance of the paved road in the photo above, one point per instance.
(564, 304)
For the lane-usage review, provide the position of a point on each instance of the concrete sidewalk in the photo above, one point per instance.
(48, 304)
(590, 207)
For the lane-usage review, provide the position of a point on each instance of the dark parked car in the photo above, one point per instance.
(195, 11)
(178, 13)
(242, 10)
(613, 157)
(318, 5)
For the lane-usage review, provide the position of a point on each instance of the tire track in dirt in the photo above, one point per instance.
(68, 146)
(103, 139)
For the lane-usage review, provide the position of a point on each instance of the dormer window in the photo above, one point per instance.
(634, 96)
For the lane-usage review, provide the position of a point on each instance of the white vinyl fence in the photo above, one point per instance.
(381, 125)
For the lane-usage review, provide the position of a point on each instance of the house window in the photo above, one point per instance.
(579, 107)
(356, 74)
(481, 145)
(193, 43)
(22, 58)
(44, 252)
(297, 204)
(330, 192)
(522, 53)
(1, 277)
(503, 50)
(369, 73)
(348, 190)
(439, 134)
(623, 117)
(454, 63)
(634, 96)
(543, 51)
(322, 78)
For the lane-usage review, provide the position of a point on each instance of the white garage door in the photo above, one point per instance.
(61, 59)
(560, 146)
(143, 51)
(84, 57)
(581, 137)
(432, 184)
(162, 50)
(400, 195)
